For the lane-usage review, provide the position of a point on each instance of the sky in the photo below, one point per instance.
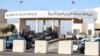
(15, 5)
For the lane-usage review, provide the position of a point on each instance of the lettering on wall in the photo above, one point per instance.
(69, 14)
(21, 14)
(47, 14)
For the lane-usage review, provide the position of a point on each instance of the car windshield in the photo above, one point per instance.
(15, 37)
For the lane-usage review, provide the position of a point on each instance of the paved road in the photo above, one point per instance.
(33, 54)
(53, 48)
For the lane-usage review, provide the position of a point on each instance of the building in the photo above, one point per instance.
(97, 22)
(3, 21)
(76, 17)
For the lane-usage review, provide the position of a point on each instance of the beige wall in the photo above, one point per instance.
(97, 26)
(85, 28)
(97, 21)
(77, 21)
(22, 24)
(2, 25)
(91, 27)
(2, 14)
(3, 21)
(77, 26)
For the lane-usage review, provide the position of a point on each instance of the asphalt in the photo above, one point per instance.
(35, 54)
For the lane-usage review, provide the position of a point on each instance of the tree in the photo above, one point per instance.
(11, 27)
(4, 30)
(7, 29)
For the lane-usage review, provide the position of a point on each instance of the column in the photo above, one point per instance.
(59, 23)
(44, 23)
(52, 23)
(37, 25)
(93, 32)
(85, 28)
(22, 24)
(72, 25)
(59, 28)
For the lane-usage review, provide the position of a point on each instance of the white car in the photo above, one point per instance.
(76, 45)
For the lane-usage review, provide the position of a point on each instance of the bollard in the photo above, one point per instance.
(2, 44)
(19, 46)
(41, 46)
(92, 48)
(65, 47)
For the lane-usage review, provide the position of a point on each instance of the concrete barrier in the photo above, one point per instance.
(92, 48)
(41, 46)
(19, 46)
(65, 47)
(2, 45)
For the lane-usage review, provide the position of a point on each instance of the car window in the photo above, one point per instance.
(10, 38)
(15, 37)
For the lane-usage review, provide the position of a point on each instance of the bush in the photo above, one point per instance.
(7, 29)
(1, 37)
(11, 27)
(4, 30)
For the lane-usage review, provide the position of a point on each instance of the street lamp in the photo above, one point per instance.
(20, 2)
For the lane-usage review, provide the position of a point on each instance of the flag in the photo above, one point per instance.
(21, 2)
(73, 2)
